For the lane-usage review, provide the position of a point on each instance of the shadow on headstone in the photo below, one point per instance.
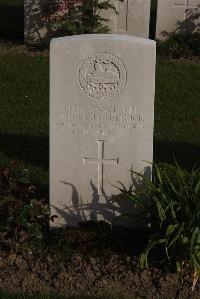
(191, 24)
(112, 208)
(37, 26)
(47, 19)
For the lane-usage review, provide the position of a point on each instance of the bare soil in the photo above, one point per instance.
(15, 47)
(90, 268)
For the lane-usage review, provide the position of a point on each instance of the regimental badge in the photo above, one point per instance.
(102, 76)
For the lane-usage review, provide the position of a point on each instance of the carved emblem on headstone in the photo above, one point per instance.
(102, 76)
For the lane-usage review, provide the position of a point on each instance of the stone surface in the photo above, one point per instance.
(175, 16)
(133, 18)
(37, 28)
(101, 123)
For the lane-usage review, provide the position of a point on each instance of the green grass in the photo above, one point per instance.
(25, 104)
(177, 113)
(24, 113)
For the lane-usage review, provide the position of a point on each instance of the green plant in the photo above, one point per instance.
(173, 199)
(23, 217)
(77, 16)
(180, 45)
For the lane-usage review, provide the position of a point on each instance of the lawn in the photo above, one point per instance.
(24, 113)
(24, 127)
(177, 113)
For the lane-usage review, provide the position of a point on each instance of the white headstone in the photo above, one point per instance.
(133, 18)
(34, 29)
(176, 16)
(38, 26)
(101, 122)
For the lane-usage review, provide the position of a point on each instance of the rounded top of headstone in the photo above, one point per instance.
(119, 37)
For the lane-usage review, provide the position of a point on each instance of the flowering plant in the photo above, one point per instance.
(71, 17)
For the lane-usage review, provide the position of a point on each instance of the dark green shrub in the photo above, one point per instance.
(78, 16)
(180, 45)
(173, 200)
(23, 216)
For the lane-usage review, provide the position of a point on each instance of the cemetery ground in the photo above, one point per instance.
(92, 259)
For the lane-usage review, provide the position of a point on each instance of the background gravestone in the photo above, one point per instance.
(36, 28)
(177, 16)
(133, 18)
(101, 122)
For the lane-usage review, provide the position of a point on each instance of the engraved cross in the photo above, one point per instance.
(100, 161)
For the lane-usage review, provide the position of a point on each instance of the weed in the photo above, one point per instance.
(173, 200)
(22, 215)
(78, 16)
(180, 45)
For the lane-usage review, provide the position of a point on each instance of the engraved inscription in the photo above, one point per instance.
(102, 76)
(102, 120)
(100, 161)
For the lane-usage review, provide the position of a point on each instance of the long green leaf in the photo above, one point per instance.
(150, 246)
(177, 236)
(195, 236)
(197, 187)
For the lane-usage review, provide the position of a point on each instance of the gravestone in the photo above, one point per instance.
(101, 123)
(37, 27)
(133, 17)
(177, 16)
